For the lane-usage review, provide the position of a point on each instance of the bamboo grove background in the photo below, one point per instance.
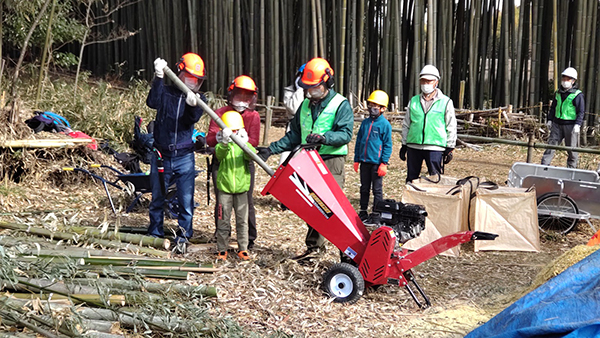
(371, 44)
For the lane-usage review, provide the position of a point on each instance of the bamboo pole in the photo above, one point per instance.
(556, 43)
(129, 285)
(361, 31)
(72, 237)
(262, 50)
(154, 242)
(47, 46)
(319, 28)
(342, 48)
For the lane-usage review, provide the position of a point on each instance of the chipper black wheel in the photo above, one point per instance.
(344, 282)
(556, 202)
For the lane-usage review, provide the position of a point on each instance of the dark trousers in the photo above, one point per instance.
(414, 161)
(314, 240)
(558, 133)
(251, 212)
(369, 179)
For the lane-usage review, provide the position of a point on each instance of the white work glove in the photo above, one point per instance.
(191, 99)
(224, 136)
(576, 129)
(243, 135)
(549, 123)
(159, 67)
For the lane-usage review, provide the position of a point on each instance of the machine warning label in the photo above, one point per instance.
(307, 193)
(350, 253)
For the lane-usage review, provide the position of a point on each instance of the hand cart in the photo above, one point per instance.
(137, 183)
(564, 195)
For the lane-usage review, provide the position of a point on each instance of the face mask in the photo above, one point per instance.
(567, 84)
(240, 107)
(427, 89)
(315, 94)
(191, 83)
(374, 112)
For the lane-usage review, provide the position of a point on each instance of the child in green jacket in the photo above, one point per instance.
(233, 181)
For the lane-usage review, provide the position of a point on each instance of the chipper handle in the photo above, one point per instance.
(171, 75)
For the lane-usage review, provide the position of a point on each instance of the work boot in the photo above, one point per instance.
(374, 219)
(363, 215)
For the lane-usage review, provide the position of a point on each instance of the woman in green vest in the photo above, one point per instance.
(565, 117)
(429, 127)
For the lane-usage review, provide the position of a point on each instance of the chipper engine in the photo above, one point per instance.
(306, 186)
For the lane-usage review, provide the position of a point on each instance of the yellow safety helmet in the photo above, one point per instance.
(379, 97)
(233, 120)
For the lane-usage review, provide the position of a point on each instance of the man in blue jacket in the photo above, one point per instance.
(372, 153)
(176, 114)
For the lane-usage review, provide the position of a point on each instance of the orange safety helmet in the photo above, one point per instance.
(316, 72)
(193, 64)
(242, 93)
(243, 82)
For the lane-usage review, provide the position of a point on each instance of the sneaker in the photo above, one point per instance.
(243, 255)
(250, 245)
(180, 248)
(222, 256)
(363, 215)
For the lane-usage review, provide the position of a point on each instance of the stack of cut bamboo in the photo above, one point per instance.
(44, 279)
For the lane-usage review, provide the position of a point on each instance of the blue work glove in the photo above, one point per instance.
(402, 153)
(315, 138)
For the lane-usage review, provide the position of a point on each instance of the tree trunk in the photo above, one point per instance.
(13, 94)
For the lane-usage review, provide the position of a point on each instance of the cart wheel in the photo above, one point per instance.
(555, 202)
(344, 282)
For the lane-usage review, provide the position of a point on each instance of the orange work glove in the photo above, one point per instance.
(356, 166)
(382, 170)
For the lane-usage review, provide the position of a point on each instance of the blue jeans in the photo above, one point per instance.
(415, 158)
(181, 171)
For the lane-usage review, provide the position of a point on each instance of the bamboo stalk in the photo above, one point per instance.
(47, 46)
(72, 237)
(128, 285)
(44, 143)
(123, 237)
(342, 48)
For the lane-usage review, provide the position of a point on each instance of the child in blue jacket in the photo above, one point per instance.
(372, 152)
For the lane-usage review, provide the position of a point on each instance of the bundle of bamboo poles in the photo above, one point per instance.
(48, 279)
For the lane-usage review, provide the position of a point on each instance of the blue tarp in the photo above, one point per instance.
(568, 305)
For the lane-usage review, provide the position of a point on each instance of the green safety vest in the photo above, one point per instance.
(566, 110)
(428, 127)
(323, 124)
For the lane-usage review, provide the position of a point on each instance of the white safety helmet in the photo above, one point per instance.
(570, 72)
(429, 72)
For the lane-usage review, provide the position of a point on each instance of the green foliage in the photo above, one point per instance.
(65, 60)
(19, 16)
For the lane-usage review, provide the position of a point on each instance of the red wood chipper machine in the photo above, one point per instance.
(306, 186)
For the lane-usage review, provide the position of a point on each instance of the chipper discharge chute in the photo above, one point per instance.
(306, 186)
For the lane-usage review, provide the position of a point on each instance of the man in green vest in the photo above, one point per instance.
(429, 127)
(324, 117)
(565, 117)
